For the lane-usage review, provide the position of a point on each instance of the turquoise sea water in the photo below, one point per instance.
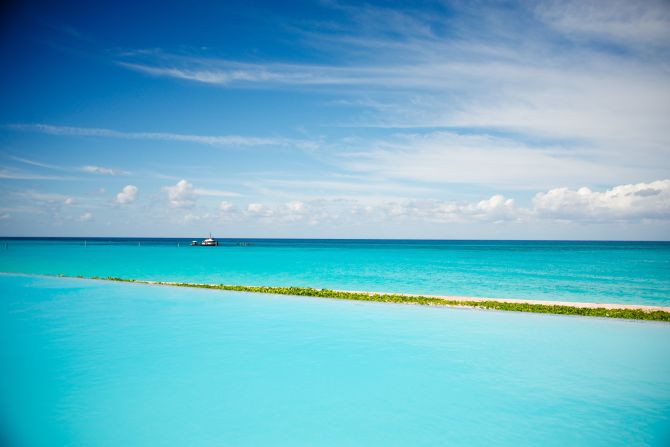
(88, 363)
(611, 272)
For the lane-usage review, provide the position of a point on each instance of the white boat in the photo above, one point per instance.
(210, 242)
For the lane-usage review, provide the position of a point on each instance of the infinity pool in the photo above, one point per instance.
(89, 363)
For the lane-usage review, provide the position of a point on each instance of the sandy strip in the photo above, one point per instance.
(442, 297)
(466, 298)
(520, 301)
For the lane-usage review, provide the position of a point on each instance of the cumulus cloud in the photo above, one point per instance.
(228, 212)
(127, 195)
(497, 208)
(296, 210)
(103, 171)
(624, 202)
(296, 206)
(86, 217)
(352, 211)
(225, 206)
(264, 213)
(193, 217)
(257, 208)
(181, 195)
(633, 202)
(185, 195)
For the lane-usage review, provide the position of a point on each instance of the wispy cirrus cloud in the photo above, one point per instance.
(19, 174)
(46, 197)
(102, 170)
(13, 174)
(443, 157)
(210, 140)
(35, 162)
(633, 24)
(235, 73)
(404, 68)
(580, 71)
(215, 193)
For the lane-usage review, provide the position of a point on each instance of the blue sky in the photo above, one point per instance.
(336, 119)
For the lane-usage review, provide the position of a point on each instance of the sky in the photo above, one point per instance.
(336, 119)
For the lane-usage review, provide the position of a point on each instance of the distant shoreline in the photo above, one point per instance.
(606, 310)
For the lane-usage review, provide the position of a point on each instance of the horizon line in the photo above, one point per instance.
(334, 239)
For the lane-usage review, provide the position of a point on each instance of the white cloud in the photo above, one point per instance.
(215, 193)
(447, 157)
(86, 217)
(224, 72)
(45, 197)
(630, 23)
(211, 140)
(263, 212)
(225, 206)
(181, 195)
(624, 202)
(69, 201)
(255, 207)
(635, 202)
(35, 163)
(497, 208)
(185, 195)
(570, 82)
(192, 217)
(296, 210)
(353, 211)
(104, 171)
(296, 206)
(12, 174)
(361, 185)
(127, 195)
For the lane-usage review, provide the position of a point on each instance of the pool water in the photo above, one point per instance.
(88, 363)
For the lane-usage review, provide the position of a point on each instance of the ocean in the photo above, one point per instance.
(601, 272)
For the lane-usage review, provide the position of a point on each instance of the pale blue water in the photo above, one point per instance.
(89, 363)
(611, 272)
